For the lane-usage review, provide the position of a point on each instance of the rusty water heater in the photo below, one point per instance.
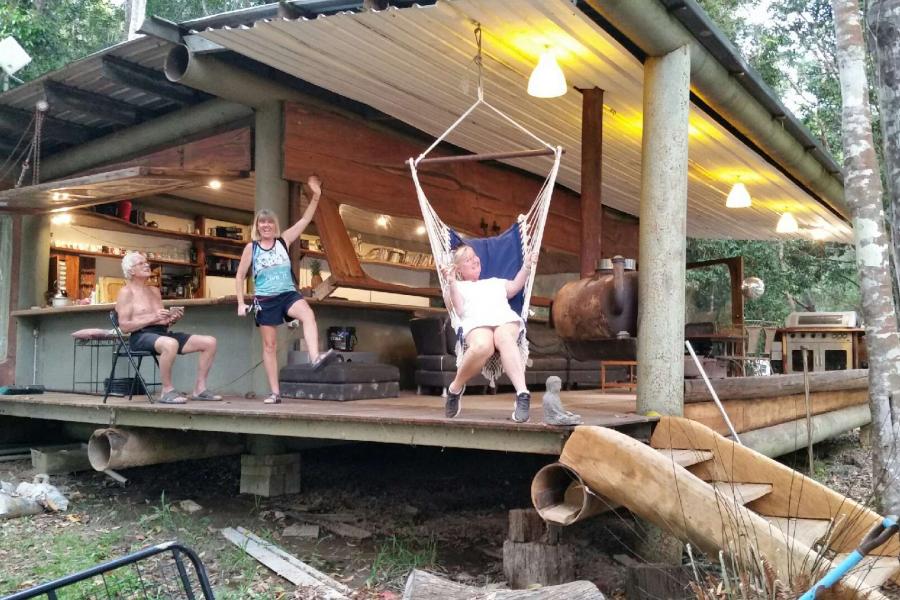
(597, 316)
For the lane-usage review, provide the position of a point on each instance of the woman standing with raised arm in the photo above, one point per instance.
(276, 299)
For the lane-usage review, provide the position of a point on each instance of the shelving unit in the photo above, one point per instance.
(160, 261)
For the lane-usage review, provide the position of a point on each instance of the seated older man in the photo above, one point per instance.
(141, 314)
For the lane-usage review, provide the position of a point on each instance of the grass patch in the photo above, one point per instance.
(396, 557)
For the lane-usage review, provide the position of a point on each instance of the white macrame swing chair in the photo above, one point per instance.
(529, 227)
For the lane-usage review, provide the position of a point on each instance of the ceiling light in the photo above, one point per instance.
(382, 221)
(547, 80)
(420, 230)
(819, 233)
(214, 184)
(787, 224)
(61, 219)
(738, 197)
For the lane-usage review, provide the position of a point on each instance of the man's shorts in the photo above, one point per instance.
(273, 310)
(144, 339)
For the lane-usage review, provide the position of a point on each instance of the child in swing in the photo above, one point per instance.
(488, 324)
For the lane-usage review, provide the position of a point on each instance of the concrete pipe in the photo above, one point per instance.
(561, 497)
(120, 448)
(218, 78)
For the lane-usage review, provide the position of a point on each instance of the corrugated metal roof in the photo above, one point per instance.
(87, 74)
(416, 65)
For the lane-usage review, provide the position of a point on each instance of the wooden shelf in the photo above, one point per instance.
(110, 223)
(160, 261)
(224, 255)
(304, 252)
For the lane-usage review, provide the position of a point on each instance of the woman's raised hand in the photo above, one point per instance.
(314, 184)
(531, 260)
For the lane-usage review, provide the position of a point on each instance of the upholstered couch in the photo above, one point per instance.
(436, 361)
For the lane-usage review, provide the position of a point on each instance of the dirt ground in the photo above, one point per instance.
(442, 510)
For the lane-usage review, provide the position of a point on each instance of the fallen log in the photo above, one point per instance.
(422, 585)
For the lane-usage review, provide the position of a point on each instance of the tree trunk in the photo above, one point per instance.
(883, 27)
(863, 194)
(422, 585)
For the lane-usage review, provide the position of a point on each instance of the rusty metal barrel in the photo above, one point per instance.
(598, 307)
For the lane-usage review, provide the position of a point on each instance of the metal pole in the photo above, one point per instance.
(712, 392)
(809, 437)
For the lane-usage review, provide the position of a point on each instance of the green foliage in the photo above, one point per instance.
(814, 275)
(184, 10)
(396, 557)
(57, 32)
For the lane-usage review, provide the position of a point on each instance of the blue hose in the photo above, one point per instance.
(879, 534)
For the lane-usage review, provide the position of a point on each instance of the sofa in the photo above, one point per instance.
(435, 343)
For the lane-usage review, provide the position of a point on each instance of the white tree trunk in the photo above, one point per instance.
(863, 194)
(883, 28)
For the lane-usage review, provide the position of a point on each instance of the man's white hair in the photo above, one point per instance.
(129, 261)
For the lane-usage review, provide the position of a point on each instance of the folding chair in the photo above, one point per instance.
(124, 349)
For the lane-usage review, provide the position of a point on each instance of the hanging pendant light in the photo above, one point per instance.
(738, 197)
(547, 80)
(787, 224)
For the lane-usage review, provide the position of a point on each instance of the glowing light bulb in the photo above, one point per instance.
(787, 224)
(547, 80)
(738, 197)
(214, 184)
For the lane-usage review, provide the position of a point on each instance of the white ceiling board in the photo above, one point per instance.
(416, 64)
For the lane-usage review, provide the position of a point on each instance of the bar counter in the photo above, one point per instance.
(46, 334)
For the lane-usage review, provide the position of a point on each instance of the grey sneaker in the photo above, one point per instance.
(453, 403)
(523, 404)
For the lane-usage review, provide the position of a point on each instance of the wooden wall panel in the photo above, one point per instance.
(228, 151)
(363, 165)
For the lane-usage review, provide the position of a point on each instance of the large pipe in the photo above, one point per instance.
(120, 448)
(654, 30)
(215, 77)
(784, 438)
(169, 129)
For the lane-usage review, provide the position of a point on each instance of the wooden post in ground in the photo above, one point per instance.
(591, 178)
(533, 554)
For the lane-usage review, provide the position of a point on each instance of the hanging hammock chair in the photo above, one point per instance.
(503, 255)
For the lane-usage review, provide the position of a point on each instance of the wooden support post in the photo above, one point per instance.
(591, 178)
(533, 554)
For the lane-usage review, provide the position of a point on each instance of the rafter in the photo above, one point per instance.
(153, 82)
(15, 121)
(98, 105)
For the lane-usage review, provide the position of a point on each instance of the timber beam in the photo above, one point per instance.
(447, 435)
(95, 104)
(16, 120)
(163, 29)
(153, 82)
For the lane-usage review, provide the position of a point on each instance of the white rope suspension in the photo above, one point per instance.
(531, 225)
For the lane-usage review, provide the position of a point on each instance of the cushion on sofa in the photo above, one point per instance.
(340, 373)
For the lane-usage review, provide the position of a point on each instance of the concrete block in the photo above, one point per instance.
(270, 475)
(68, 458)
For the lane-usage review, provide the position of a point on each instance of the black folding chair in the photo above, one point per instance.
(153, 573)
(124, 349)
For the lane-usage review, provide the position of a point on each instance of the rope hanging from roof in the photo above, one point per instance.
(528, 230)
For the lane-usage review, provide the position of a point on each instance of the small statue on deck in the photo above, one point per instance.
(554, 413)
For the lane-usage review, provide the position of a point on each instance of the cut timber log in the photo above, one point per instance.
(286, 565)
(529, 563)
(792, 496)
(425, 586)
(526, 525)
(737, 388)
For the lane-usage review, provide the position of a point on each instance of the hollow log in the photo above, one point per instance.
(425, 586)
(737, 388)
(120, 448)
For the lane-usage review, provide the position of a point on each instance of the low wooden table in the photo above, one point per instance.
(630, 384)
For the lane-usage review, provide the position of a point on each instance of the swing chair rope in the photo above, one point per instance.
(531, 224)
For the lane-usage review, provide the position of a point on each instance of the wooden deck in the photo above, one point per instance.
(409, 419)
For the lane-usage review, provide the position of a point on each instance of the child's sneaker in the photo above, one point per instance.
(522, 406)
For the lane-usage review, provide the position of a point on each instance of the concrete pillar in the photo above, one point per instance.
(272, 192)
(34, 260)
(663, 216)
(268, 161)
